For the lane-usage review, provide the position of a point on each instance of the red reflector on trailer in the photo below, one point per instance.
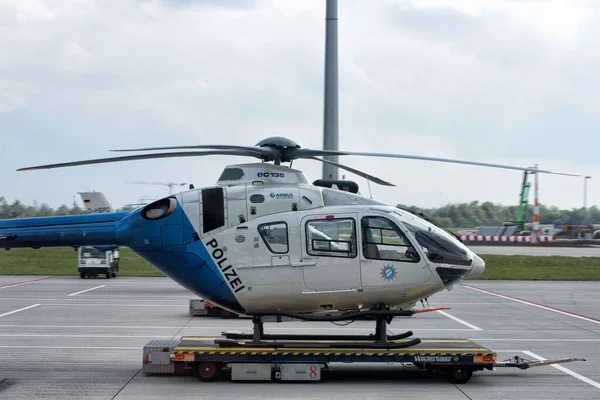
(329, 217)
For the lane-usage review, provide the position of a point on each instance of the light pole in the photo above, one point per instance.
(585, 179)
(330, 116)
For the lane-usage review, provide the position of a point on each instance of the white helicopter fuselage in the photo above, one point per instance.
(283, 244)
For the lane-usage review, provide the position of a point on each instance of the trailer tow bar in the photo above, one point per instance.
(524, 363)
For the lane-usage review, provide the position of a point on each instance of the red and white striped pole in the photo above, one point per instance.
(536, 208)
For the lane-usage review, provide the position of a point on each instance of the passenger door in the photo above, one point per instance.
(330, 252)
(388, 257)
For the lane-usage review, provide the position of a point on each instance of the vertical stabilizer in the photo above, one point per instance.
(95, 202)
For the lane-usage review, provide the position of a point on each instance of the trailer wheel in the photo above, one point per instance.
(207, 371)
(82, 275)
(108, 275)
(458, 374)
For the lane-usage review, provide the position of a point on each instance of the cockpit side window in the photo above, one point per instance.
(383, 240)
(331, 237)
(275, 236)
(213, 209)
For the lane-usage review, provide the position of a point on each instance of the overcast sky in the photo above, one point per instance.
(505, 81)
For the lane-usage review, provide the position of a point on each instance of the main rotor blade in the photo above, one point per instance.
(309, 153)
(261, 150)
(355, 171)
(146, 157)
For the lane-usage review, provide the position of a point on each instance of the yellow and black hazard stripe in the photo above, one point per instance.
(186, 355)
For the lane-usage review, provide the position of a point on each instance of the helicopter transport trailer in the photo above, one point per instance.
(220, 358)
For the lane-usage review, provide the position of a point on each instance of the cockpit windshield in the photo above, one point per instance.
(440, 246)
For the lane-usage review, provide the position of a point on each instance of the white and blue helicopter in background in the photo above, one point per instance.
(265, 242)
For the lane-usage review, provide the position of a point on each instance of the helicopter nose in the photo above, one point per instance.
(478, 267)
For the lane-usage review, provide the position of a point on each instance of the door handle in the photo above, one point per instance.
(304, 264)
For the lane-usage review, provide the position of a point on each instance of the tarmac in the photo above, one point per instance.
(64, 337)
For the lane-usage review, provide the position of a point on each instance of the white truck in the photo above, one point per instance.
(94, 261)
(102, 260)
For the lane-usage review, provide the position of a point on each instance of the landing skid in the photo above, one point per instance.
(380, 339)
(371, 337)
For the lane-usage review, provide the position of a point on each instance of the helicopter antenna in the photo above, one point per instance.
(330, 107)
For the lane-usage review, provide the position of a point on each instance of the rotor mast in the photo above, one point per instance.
(330, 114)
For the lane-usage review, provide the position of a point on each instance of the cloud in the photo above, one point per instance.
(500, 81)
(203, 3)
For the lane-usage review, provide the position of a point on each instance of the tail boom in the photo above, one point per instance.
(71, 230)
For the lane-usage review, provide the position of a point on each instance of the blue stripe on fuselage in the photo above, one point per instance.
(61, 220)
(188, 263)
(61, 231)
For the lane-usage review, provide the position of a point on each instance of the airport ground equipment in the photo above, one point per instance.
(222, 358)
(197, 308)
(200, 307)
(524, 363)
(94, 261)
(523, 200)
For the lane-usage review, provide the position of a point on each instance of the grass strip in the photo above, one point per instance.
(63, 262)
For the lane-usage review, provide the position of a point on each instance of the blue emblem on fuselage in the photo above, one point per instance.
(388, 272)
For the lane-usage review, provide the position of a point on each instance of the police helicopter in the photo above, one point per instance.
(265, 242)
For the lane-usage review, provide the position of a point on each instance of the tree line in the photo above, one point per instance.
(475, 214)
(461, 215)
(20, 210)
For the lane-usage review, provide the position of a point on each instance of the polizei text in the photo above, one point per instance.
(235, 282)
